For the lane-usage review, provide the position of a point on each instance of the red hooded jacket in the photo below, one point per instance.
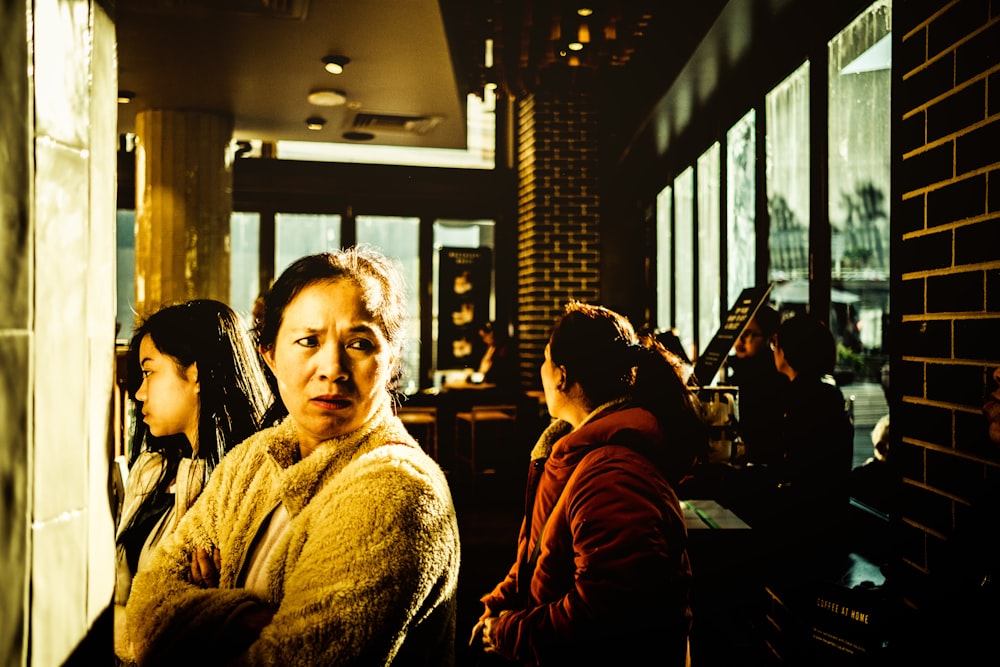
(610, 580)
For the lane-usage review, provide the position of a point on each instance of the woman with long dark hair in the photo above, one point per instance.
(602, 574)
(197, 391)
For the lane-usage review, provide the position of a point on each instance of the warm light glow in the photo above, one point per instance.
(585, 11)
(575, 46)
(335, 64)
(583, 34)
(125, 96)
(315, 123)
(327, 98)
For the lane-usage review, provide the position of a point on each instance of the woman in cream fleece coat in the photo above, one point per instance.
(329, 538)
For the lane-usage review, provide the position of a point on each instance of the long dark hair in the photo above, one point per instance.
(233, 395)
(383, 291)
(601, 351)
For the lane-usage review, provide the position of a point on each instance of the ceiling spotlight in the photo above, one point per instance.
(315, 122)
(575, 46)
(335, 64)
(584, 11)
(327, 98)
(125, 96)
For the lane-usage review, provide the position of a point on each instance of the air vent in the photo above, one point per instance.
(382, 122)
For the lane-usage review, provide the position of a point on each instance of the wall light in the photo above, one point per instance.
(315, 122)
(334, 64)
(125, 96)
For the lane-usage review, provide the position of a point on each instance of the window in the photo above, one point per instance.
(860, 61)
(709, 247)
(664, 257)
(399, 238)
(787, 141)
(296, 235)
(684, 273)
(244, 262)
(125, 278)
(741, 196)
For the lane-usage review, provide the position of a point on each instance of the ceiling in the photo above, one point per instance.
(259, 59)
(409, 59)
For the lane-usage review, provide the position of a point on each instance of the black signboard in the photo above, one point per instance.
(463, 305)
(711, 360)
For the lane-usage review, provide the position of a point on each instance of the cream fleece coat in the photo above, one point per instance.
(366, 573)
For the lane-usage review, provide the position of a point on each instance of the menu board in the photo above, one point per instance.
(463, 305)
(711, 360)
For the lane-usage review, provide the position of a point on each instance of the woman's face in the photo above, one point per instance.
(751, 342)
(169, 394)
(331, 360)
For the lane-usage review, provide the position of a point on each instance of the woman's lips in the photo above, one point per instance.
(331, 402)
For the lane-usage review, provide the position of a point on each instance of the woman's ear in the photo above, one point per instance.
(191, 372)
(267, 354)
(561, 385)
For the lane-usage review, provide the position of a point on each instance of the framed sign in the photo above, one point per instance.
(711, 360)
(463, 305)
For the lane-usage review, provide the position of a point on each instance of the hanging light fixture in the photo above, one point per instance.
(334, 64)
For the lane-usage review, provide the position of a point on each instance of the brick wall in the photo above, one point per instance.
(946, 297)
(558, 240)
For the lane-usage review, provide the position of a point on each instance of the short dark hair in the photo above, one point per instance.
(808, 345)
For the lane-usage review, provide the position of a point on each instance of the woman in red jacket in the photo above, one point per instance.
(602, 573)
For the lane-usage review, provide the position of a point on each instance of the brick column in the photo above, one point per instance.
(558, 236)
(183, 202)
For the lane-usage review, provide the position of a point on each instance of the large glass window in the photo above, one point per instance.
(399, 237)
(684, 259)
(244, 263)
(741, 196)
(664, 257)
(709, 247)
(297, 234)
(787, 142)
(860, 61)
(125, 274)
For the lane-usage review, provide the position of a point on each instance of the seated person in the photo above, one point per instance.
(809, 466)
(761, 387)
(499, 364)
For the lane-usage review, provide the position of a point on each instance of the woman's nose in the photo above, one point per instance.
(331, 361)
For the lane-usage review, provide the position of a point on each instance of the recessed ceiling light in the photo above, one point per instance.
(125, 96)
(584, 11)
(327, 98)
(334, 64)
(315, 122)
(575, 46)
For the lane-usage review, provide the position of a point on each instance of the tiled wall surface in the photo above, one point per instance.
(56, 322)
(947, 274)
(558, 242)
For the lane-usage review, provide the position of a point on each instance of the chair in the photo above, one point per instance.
(477, 417)
(421, 422)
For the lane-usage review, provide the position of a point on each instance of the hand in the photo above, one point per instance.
(488, 645)
(205, 568)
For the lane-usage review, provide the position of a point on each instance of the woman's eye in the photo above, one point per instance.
(362, 344)
(146, 374)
